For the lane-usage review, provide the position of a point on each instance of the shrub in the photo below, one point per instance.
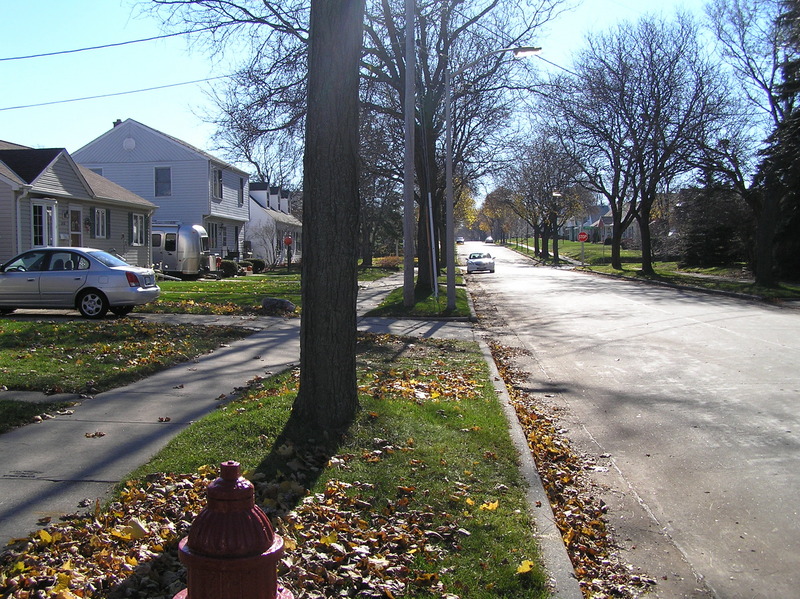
(394, 262)
(229, 268)
(258, 265)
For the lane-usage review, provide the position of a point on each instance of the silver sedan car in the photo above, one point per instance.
(89, 280)
(478, 261)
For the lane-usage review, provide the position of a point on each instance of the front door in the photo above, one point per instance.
(75, 233)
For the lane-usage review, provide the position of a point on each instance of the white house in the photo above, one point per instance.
(271, 223)
(46, 199)
(189, 185)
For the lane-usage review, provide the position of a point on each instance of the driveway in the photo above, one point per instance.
(689, 400)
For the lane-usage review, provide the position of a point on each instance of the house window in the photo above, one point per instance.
(44, 223)
(100, 225)
(137, 229)
(241, 191)
(163, 178)
(213, 235)
(216, 183)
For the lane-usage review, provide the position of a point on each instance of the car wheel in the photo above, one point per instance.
(121, 310)
(92, 304)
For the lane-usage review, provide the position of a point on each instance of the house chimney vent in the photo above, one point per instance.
(117, 122)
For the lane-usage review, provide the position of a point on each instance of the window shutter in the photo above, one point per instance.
(92, 216)
(130, 228)
(108, 223)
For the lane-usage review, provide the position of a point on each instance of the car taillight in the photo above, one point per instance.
(133, 280)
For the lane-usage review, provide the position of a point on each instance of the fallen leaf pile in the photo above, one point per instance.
(338, 543)
(193, 307)
(579, 514)
(89, 555)
(439, 382)
(341, 545)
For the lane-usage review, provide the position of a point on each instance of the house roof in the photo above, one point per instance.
(108, 190)
(283, 218)
(7, 145)
(28, 164)
(24, 165)
(180, 142)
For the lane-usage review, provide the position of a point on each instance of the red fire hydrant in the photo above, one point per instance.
(231, 551)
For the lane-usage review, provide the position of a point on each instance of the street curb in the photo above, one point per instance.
(559, 568)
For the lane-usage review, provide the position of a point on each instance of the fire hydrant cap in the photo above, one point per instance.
(230, 486)
(231, 524)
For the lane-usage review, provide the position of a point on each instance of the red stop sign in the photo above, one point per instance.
(583, 236)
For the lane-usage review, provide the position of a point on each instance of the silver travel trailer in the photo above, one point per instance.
(181, 250)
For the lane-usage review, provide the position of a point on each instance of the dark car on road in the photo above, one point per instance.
(86, 279)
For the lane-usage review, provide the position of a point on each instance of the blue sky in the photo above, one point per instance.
(42, 26)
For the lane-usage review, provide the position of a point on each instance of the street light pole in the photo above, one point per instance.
(408, 168)
(519, 52)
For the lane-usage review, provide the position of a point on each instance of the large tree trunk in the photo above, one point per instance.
(328, 396)
(765, 237)
(643, 219)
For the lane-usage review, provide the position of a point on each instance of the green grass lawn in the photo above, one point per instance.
(80, 356)
(732, 279)
(421, 498)
(237, 295)
(425, 307)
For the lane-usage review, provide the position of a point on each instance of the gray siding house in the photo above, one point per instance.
(271, 222)
(46, 199)
(189, 185)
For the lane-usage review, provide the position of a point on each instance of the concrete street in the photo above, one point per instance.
(693, 400)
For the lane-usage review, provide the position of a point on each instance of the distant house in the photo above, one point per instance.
(604, 227)
(585, 221)
(189, 185)
(271, 222)
(46, 199)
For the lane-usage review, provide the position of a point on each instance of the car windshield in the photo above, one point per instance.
(107, 259)
(477, 256)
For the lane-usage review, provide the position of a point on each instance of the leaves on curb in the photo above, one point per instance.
(579, 514)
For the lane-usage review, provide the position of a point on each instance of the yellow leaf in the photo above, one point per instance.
(470, 501)
(490, 506)
(45, 536)
(332, 537)
(525, 567)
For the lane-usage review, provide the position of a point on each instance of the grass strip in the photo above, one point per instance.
(421, 498)
(424, 307)
(80, 356)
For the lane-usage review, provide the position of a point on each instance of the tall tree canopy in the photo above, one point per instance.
(261, 109)
(642, 102)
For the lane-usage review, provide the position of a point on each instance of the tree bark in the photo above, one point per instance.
(766, 217)
(328, 397)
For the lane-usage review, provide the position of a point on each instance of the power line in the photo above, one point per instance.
(112, 45)
(135, 91)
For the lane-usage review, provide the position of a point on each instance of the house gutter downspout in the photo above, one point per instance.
(20, 193)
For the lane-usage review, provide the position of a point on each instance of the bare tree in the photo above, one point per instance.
(546, 192)
(752, 45)
(641, 105)
(264, 103)
(331, 37)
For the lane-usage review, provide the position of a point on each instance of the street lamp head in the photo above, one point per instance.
(525, 51)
